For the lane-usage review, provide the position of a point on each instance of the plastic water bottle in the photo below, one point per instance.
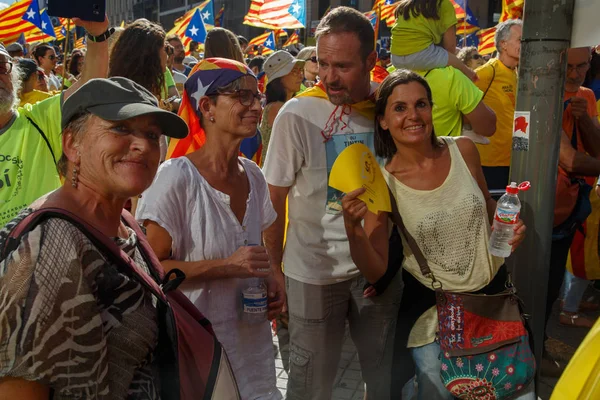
(254, 301)
(507, 215)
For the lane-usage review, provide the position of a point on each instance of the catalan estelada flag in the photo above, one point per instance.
(182, 23)
(293, 39)
(512, 9)
(486, 40)
(204, 79)
(468, 23)
(18, 18)
(271, 14)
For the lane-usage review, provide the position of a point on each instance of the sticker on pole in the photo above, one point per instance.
(521, 130)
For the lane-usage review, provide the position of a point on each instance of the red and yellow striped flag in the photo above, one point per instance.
(512, 9)
(486, 40)
(293, 39)
(12, 23)
(271, 14)
(181, 25)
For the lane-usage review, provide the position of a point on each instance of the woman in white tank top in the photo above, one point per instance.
(443, 198)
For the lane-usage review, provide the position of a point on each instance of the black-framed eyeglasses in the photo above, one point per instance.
(580, 68)
(245, 96)
(6, 67)
(313, 59)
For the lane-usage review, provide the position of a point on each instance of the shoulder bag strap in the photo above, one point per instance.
(45, 139)
(491, 81)
(108, 248)
(412, 243)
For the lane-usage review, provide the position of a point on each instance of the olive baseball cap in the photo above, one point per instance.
(119, 99)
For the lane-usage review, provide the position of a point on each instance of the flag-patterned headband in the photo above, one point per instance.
(211, 74)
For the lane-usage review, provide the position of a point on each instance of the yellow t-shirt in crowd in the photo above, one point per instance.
(27, 169)
(453, 95)
(501, 98)
(418, 33)
(33, 97)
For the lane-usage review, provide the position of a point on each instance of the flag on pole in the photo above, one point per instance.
(388, 8)
(298, 11)
(467, 24)
(458, 9)
(122, 24)
(196, 30)
(486, 40)
(17, 19)
(293, 39)
(512, 9)
(271, 14)
(372, 16)
(220, 16)
(181, 24)
(44, 32)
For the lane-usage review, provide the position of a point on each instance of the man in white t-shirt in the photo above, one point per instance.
(324, 287)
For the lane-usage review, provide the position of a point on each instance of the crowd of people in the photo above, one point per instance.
(99, 131)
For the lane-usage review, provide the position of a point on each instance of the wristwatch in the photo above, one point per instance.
(100, 38)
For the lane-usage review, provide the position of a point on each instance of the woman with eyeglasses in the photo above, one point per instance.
(284, 78)
(45, 57)
(311, 67)
(205, 214)
(30, 75)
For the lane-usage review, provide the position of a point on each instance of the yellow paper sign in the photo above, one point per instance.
(357, 167)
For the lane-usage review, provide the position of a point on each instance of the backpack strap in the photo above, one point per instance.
(43, 137)
(106, 246)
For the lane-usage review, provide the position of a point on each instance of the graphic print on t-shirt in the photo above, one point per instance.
(333, 147)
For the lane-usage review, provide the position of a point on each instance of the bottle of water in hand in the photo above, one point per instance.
(505, 219)
(254, 301)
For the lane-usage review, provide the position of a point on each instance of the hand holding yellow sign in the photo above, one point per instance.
(357, 167)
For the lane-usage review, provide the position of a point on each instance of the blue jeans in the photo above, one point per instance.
(573, 291)
(429, 383)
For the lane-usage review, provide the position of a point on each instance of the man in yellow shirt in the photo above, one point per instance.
(30, 140)
(498, 81)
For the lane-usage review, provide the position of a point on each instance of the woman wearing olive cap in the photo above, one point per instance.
(73, 324)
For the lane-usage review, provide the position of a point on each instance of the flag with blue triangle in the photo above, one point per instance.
(33, 14)
(196, 29)
(270, 42)
(208, 13)
(298, 10)
(47, 27)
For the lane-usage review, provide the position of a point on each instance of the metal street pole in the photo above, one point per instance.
(546, 36)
